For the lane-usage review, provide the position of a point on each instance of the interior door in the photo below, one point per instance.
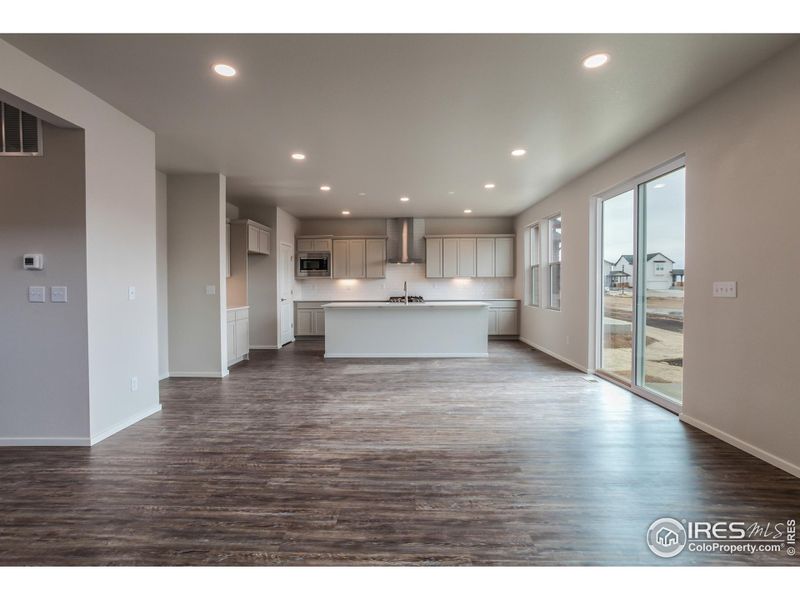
(286, 292)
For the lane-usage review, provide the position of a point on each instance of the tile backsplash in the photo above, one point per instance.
(392, 285)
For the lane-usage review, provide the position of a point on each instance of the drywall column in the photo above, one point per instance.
(44, 368)
(120, 243)
(162, 271)
(196, 264)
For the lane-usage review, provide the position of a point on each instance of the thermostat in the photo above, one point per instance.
(33, 262)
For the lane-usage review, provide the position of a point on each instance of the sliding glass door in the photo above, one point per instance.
(617, 291)
(641, 294)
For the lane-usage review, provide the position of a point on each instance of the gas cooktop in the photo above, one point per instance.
(403, 299)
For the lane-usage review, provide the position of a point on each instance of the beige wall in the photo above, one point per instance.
(163, 275)
(44, 368)
(742, 151)
(120, 222)
(196, 259)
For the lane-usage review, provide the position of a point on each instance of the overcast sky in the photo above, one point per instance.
(665, 215)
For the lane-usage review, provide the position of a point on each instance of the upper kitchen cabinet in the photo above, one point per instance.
(258, 237)
(470, 256)
(361, 258)
(376, 258)
(433, 257)
(504, 257)
(314, 244)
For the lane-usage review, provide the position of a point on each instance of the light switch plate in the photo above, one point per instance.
(132, 293)
(134, 383)
(724, 289)
(211, 290)
(36, 293)
(58, 293)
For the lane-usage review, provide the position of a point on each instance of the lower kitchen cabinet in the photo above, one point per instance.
(309, 319)
(504, 318)
(238, 334)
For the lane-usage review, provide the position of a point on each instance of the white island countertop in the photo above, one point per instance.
(464, 304)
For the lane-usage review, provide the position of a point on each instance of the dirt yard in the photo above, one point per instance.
(663, 369)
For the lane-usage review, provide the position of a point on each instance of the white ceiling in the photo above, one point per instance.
(397, 115)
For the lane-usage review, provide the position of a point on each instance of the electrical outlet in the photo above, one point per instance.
(36, 293)
(134, 383)
(211, 290)
(724, 289)
(132, 293)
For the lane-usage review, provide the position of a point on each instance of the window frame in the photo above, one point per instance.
(534, 264)
(551, 263)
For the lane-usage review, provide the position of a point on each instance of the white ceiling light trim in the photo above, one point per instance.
(224, 70)
(595, 61)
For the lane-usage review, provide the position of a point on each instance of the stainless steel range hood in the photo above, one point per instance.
(406, 240)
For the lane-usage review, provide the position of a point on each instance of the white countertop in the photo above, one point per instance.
(404, 305)
(431, 301)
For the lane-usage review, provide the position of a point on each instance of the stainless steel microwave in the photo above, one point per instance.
(313, 264)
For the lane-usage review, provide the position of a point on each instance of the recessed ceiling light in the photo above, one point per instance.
(489, 186)
(325, 188)
(658, 186)
(404, 199)
(451, 193)
(467, 210)
(224, 70)
(362, 193)
(345, 212)
(299, 156)
(518, 152)
(595, 60)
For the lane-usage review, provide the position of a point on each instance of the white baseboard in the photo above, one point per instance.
(554, 355)
(213, 374)
(394, 355)
(263, 347)
(163, 376)
(44, 441)
(124, 423)
(775, 461)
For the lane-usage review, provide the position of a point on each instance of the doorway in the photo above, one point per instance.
(286, 293)
(641, 285)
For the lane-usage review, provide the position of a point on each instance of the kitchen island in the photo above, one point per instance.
(399, 330)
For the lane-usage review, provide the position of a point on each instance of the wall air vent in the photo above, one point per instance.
(20, 132)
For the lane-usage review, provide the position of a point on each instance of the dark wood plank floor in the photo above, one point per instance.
(516, 459)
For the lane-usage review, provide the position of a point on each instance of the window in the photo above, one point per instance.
(660, 267)
(534, 259)
(554, 267)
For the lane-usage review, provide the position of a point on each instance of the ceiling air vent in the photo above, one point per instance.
(20, 134)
